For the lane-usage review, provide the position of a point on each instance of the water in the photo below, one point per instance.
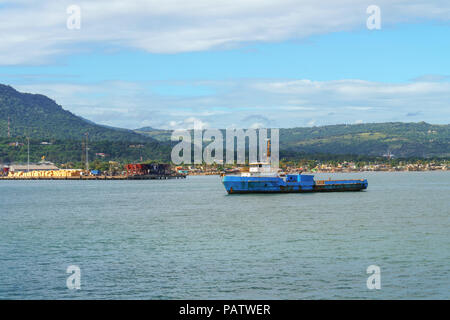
(188, 239)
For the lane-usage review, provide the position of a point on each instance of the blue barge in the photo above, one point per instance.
(293, 183)
(262, 178)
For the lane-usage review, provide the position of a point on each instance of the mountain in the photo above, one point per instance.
(405, 140)
(157, 134)
(57, 134)
(40, 117)
(146, 129)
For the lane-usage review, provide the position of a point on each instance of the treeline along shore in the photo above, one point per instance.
(35, 128)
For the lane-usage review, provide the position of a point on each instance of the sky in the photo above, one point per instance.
(235, 63)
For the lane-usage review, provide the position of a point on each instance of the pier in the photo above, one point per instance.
(121, 177)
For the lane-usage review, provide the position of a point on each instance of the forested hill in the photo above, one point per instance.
(39, 117)
(42, 119)
(421, 140)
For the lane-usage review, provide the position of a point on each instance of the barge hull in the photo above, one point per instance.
(356, 187)
(294, 184)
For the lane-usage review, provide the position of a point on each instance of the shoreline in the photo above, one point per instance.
(316, 172)
(179, 176)
(109, 178)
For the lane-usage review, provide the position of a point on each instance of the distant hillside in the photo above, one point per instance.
(372, 139)
(63, 151)
(404, 140)
(40, 117)
(157, 134)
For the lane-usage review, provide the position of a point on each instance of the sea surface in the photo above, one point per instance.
(188, 239)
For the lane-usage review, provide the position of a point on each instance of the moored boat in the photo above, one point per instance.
(262, 178)
(292, 183)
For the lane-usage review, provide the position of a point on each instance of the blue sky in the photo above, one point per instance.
(176, 70)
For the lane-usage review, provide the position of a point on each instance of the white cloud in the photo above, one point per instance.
(35, 31)
(350, 88)
(245, 103)
(188, 123)
(431, 78)
(257, 125)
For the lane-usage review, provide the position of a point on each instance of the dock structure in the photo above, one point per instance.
(137, 171)
(121, 177)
